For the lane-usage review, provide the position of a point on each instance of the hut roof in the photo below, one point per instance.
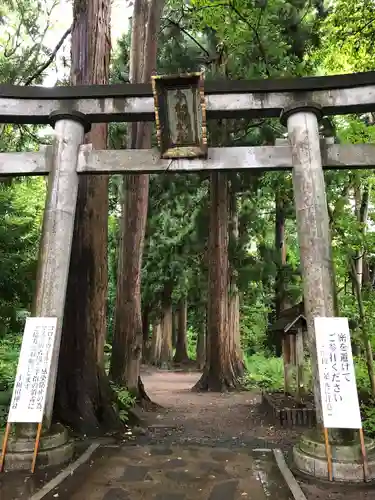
(290, 320)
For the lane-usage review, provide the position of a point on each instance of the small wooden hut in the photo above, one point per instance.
(292, 327)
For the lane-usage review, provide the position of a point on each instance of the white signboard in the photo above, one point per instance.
(30, 386)
(336, 372)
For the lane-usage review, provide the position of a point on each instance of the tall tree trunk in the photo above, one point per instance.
(175, 320)
(356, 273)
(201, 346)
(127, 341)
(181, 354)
(363, 325)
(155, 343)
(166, 352)
(146, 333)
(83, 396)
(128, 335)
(220, 370)
(362, 207)
(280, 250)
(234, 297)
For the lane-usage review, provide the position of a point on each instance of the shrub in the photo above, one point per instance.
(9, 352)
(124, 401)
(263, 373)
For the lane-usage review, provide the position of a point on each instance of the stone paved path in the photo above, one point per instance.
(194, 447)
(176, 473)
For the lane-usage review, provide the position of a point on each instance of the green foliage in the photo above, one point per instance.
(24, 25)
(347, 38)
(265, 373)
(171, 239)
(368, 416)
(124, 401)
(192, 343)
(9, 352)
(253, 326)
(231, 40)
(21, 205)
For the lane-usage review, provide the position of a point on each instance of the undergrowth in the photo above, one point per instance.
(9, 352)
(267, 374)
(263, 373)
(123, 402)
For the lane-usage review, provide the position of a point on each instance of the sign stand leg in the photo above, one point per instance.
(364, 455)
(328, 453)
(5, 442)
(36, 447)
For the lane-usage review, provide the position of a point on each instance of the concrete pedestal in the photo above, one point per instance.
(310, 458)
(55, 448)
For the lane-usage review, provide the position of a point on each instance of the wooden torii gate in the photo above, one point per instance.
(299, 102)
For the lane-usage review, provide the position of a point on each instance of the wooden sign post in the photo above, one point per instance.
(32, 378)
(338, 386)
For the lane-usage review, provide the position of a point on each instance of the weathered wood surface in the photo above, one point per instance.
(222, 86)
(313, 230)
(57, 235)
(288, 416)
(120, 107)
(29, 163)
(261, 158)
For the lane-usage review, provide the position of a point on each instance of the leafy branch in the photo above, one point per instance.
(51, 58)
(256, 34)
(185, 32)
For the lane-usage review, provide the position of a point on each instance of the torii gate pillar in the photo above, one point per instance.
(312, 223)
(51, 283)
(314, 238)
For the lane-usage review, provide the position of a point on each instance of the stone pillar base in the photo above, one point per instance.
(309, 457)
(55, 448)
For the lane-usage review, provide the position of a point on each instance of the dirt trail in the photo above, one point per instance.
(208, 418)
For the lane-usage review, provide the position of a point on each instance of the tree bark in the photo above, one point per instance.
(127, 341)
(362, 207)
(175, 320)
(220, 369)
(362, 320)
(128, 335)
(234, 297)
(181, 354)
(280, 250)
(280, 247)
(146, 334)
(166, 335)
(155, 343)
(83, 397)
(201, 347)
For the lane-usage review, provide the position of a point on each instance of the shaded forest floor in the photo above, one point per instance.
(232, 419)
